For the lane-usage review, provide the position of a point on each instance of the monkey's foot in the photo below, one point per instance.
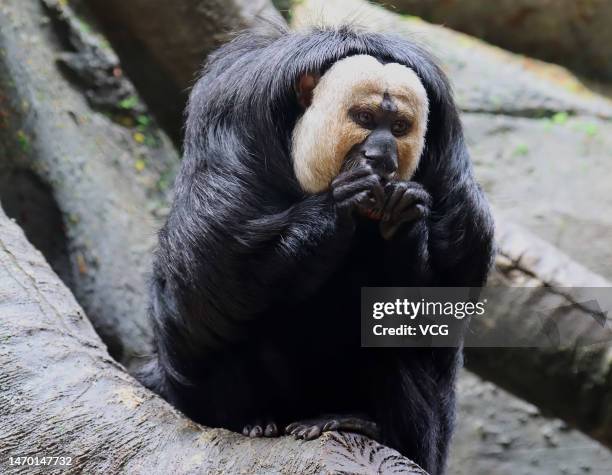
(259, 429)
(313, 428)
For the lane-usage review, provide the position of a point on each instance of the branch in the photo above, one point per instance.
(574, 384)
(61, 394)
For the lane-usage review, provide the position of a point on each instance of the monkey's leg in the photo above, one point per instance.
(261, 429)
(312, 428)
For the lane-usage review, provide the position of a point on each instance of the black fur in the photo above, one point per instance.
(256, 286)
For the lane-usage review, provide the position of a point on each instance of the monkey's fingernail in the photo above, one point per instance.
(331, 425)
(246, 430)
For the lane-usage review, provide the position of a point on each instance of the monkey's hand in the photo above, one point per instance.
(357, 188)
(405, 202)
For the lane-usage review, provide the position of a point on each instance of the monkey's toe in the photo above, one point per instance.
(261, 430)
(304, 430)
(313, 428)
(271, 430)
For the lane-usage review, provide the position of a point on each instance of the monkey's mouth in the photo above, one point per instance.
(387, 177)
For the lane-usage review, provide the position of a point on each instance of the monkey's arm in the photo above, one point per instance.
(225, 257)
(296, 249)
(461, 237)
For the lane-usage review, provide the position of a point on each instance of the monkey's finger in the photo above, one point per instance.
(420, 194)
(392, 201)
(348, 190)
(256, 431)
(378, 194)
(418, 191)
(411, 214)
(389, 228)
(406, 201)
(246, 430)
(418, 212)
(353, 174)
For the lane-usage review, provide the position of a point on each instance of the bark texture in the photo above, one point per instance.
(61, 394)
(83, 167)
(573, 383)
(164, 44)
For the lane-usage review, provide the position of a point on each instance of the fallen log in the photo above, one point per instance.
(62, 395)
(572, 382)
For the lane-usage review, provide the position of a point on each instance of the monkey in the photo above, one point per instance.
(315, 163)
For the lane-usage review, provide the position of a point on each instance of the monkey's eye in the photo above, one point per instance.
(400, 127)
(365, 119)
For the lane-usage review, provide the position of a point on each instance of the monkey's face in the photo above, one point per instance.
(359, 109)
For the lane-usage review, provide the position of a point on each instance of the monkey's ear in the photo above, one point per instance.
(304, 88)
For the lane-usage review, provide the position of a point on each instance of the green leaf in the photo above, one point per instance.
(560, 118)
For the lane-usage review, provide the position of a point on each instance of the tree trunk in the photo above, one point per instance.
(164, 44)
(83, 168)
(62, 395)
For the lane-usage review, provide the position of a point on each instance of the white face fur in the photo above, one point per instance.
(325, 133)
